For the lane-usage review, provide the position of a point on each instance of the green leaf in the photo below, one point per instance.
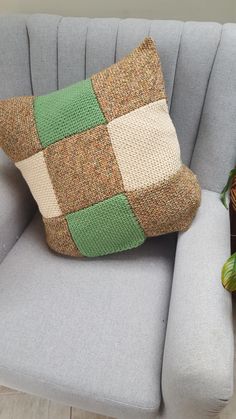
(232, 173)
(228, 274)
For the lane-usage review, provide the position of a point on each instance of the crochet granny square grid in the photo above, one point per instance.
(102, 158)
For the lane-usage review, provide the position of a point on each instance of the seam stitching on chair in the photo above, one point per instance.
(88, 395)
(205, 95)
(57, 51)
(149, 29)
(85, 49)
(166, 324)
(116, 41)
(19, 235)
(176, 64)
(29, 52)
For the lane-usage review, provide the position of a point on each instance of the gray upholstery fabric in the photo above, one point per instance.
(215, 151)
(16, 203)
(43, 37)
(71, 51)
(198, 47)
(198, 360)
(15, 77)
(88, 333)
(91, 333)
(100, 51)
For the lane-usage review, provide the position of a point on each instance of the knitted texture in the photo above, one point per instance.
(35, 172)
(66, 112)
(166, 207)
(18, 133)
(145, 145)
(102, 158)
(58, 236)
(87, 162)
(131, 83)
(106, 227)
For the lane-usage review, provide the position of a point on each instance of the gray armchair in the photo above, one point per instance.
(146, 333)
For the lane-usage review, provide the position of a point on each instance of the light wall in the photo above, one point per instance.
(213, 10)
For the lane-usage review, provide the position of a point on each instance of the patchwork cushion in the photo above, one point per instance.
(102, 158)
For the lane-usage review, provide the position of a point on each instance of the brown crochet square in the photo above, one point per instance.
(167, 207)
(83, 169)
(58, 236)
(18, 133)
(131, 83)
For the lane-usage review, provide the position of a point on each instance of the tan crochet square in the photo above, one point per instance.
(36, 174)
(58, 236)
(145, 145)
(18, 135)
(83, 169)
(168, 207)
(131, 83)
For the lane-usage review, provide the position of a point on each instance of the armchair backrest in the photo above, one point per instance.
(41, 53)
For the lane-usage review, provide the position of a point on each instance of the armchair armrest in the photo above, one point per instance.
(198, 356)
(16, 205)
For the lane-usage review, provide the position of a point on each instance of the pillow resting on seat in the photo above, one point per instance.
(102, 158)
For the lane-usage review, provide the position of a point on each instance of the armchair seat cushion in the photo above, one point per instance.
(86, 334)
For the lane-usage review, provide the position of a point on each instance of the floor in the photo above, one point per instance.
(14, 405)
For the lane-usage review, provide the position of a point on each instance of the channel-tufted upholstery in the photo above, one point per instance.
(93, 333)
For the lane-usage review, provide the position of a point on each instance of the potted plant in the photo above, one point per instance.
(228, 275)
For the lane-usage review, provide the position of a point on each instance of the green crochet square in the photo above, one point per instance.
(106, 227)
(66, 112)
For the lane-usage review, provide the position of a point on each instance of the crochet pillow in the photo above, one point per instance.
(102, 159)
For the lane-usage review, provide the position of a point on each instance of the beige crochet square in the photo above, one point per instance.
(36, 174)
(145, 145)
